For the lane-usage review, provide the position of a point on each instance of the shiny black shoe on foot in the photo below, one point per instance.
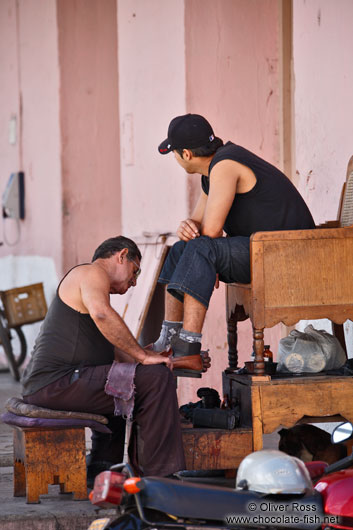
(186, 358)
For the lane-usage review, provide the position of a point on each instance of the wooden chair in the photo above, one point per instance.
(296, 275)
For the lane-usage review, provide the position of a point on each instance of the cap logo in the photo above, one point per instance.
(211, 138)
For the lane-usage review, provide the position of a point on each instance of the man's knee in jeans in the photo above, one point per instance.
(202, 244)
(177, 250)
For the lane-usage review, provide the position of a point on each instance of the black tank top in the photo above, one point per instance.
(67, 340)
(273, 203)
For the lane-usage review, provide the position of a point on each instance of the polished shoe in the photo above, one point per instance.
(188, 362)
(182, 348)
(186, 357)
(190, 365)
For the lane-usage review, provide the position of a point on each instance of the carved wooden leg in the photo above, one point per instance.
(232, 331)
(232, 338)
(259, 367)
(234, 314)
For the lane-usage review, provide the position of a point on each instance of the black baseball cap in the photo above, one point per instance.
(187, 132)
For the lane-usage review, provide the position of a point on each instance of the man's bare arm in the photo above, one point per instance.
(199, 210)
(190, 228)
(94, 287)
(123, 357)
(223, 186)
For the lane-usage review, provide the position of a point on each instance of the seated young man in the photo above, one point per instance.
(241, 194)
(80, 338)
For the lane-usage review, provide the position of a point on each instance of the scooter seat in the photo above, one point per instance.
(212, 503)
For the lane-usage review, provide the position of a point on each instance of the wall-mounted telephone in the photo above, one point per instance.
(13, 198)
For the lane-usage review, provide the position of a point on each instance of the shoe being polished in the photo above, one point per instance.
(186, 355)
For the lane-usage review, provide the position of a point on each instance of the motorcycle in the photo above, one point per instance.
(273, 491)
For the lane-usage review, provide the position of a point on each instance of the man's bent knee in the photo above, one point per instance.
(202, 242)
(154, 373)
(178, 248)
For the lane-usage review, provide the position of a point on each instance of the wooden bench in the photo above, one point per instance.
(44, 456)
(49, 448)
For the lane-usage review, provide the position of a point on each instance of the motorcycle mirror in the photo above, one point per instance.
(342, 432)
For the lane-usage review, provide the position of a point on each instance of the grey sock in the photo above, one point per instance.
(190, 336)
(168, 330)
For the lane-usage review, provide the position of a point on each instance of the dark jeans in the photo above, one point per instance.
(191, 267)
(158, 449)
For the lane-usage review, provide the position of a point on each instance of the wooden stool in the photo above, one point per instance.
(215, 448)
(44, 456)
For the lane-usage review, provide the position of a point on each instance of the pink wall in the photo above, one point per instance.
(322, 46)
(233, 69)
(89, 121)
(151, 91)
(9, 91)
(62, 86)
(29, 92)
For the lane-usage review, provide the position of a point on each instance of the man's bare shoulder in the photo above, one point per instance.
(91, 271)
(70, 290)
(226, 170)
